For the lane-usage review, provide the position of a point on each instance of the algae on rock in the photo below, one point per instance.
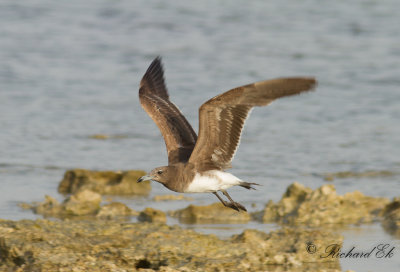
(214, 213)
(158, 198)
(115, 210)
(364, 174)
(303, 206)
(83, 203)
(104, 182)
(391, 217)
(43, 245)
(152, 215)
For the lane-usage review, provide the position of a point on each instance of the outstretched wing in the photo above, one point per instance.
(221, 118)
(178, 134)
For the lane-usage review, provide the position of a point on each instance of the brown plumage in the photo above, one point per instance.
(222, 118)
(221, 121)
(178, 134)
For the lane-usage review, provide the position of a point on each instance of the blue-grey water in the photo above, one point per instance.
(71, 69)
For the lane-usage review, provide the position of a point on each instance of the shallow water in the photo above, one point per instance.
(71, 70)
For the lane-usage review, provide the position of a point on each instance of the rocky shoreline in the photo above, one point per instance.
(92, 235)
(103, 245)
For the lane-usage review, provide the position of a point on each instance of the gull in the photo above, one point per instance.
(197, 164)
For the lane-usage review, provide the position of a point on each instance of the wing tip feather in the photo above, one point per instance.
(153, 80)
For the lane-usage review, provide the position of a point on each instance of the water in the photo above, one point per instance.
(69, 70)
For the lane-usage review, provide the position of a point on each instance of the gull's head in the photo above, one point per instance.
(159, 174)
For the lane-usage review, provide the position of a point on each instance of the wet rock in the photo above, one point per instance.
(391, 217)
(214, 213)
(99, 136)
(26, 206)
(83, 202)
(115, 210)
(303, 206)
(365, 174)
(43, 245)
(300, 241)
(108, 136)
(152, 215)
(81, 205)
(49, 207)
(104, 182)
(171, 197)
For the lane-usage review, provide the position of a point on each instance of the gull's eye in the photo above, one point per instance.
(159, 172)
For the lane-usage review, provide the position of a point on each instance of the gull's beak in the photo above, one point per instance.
(145, 178)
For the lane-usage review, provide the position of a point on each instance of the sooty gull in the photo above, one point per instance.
(197, 164)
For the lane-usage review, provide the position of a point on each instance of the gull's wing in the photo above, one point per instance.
(221, 118)
(178, 134)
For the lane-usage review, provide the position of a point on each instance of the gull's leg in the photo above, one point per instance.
(233, 203)
(229, 205)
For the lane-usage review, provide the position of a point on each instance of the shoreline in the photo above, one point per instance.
(99, 245)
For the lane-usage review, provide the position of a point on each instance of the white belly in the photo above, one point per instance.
(212, 181)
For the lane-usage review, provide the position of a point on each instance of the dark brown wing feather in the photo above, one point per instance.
(221, 118)
(178, 134)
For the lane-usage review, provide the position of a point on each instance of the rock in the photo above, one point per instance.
(303, 206)
(49, 207)
(152, 215)
(171, 197)
(99, 136)
(26, 206)
(115, 210)
(83, 202)
(43, 245)
(365, 174)
(104, 182)
(108, 136)
(81, 205)
(391, 217)
(214, 213)
(266, 244)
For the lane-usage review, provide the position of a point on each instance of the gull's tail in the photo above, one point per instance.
(248, 185)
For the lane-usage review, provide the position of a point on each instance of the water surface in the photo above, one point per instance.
(69, 70)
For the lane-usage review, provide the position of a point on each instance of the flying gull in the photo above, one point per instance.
(197, 164)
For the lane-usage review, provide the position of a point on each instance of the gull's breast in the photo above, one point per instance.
(212, 181)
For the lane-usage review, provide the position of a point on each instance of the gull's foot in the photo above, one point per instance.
(236, 206)
(232, 206)
(240, 206)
